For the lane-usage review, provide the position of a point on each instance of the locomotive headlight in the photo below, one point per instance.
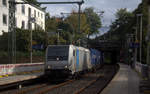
(57, 59)
(49, 67)
(66, 67)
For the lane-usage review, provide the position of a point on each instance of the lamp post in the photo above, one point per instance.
(31, 20)
(135, 44)
(141, 34)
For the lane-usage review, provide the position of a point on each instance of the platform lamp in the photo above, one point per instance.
(31, 20)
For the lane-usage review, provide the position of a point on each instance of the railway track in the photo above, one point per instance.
(82, 89)
(25, 91)
(85, 85)
(42, 89)
(57, 86)
(96, 86)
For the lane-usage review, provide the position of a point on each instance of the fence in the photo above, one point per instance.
(18, 69)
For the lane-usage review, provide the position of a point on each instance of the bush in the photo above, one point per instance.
(4, 42)
(3, 54)
(38, 53)
(24, 40)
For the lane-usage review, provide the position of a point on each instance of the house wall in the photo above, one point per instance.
(22, 17)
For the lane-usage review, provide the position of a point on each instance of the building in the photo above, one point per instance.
(3, 16)
(27, 16)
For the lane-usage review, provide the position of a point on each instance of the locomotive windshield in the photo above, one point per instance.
(55, 52)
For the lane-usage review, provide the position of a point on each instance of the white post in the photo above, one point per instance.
(32, 20)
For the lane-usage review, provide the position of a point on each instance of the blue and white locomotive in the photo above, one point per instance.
(70, 59)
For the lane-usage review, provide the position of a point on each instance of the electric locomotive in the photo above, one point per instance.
(66, 60)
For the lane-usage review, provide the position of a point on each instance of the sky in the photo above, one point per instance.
(109, 7)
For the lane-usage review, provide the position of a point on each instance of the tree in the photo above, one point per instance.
(74, 24)
(93, 20)
(126, 22)
(70, 26)
(4, 42)
(52, 26)
(143, 9)
(122, 25)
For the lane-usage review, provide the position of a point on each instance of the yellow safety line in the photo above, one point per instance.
(146, 91)
(21, 73)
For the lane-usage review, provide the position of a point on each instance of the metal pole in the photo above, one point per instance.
(31, 47)
(140, 15)
(141, 40)
(12, 33)
(148, 37)
(58, 38)
(136, 39)
(79, 17)
(135, 59)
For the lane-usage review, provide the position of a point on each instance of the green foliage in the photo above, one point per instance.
(4, 42)
(90, 23)
(38, 53)
(39, 36)
(122, 25)
(23, 45)
(126, 22)
(51, 24)
(23, 40)
(3, 54)
(73, 21)
(93, 20)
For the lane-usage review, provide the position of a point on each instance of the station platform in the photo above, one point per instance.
(18, 78)
(126, 81)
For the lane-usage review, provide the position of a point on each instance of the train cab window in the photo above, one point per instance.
(74, 52)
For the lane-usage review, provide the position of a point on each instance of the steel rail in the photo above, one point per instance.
(31, 89)
(89, 84)
(42, 86)
(82, 89)
(57, 86)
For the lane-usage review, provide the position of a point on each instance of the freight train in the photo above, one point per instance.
(67, 60)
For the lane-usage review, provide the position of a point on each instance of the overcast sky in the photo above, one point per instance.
(108, 6)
